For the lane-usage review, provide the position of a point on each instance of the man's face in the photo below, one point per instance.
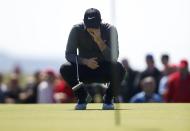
(125, 63)
(94, 32)
(148, 88)
(150, 63)
(92, 29)
(165, 61)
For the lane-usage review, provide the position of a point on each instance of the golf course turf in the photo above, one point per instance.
(63, 117)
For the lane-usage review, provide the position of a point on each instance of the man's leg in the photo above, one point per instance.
(116, 76)
(68, 72)
(105, 73)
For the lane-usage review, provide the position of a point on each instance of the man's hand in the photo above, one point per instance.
(91, 63)
(96, 34)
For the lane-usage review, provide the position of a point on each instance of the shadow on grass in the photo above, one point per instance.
(96, 110)
(108, 110)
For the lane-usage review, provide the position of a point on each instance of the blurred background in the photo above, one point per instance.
(34, 33)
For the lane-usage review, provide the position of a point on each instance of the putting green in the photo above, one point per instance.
(62, 117)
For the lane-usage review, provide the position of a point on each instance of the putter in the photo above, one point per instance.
(79, 83)
(116, 95)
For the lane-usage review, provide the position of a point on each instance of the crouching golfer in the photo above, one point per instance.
(95, 42)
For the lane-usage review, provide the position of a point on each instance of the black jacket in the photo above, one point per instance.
(80, 39)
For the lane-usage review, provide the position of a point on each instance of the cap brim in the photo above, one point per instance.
(92, 23)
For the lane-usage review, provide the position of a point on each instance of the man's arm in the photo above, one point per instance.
(110, 52)
(71, 51)
(72, 45)
(114, 46)
(71, 48)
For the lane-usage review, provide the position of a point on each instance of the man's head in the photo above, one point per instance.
(92, 18)
(165, 59)
(183, 67)
(125, 63)
(14, 81)
(148, 85)
(37, 76)
(50, 75)
(150, 60)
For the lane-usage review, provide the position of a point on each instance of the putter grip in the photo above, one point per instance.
(77, 86)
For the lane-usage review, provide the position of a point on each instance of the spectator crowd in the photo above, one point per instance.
(170, 84)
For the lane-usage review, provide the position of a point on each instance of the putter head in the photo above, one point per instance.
(77, 86)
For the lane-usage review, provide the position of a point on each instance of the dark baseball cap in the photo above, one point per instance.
(92, 18)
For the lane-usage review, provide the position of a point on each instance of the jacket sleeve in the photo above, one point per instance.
(111, 53)
(71, 48)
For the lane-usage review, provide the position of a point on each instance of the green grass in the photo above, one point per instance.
(62, 117)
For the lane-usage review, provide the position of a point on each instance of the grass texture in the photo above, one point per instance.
(63, 117)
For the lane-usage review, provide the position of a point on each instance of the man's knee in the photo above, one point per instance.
(65, 70)
(62, 70)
